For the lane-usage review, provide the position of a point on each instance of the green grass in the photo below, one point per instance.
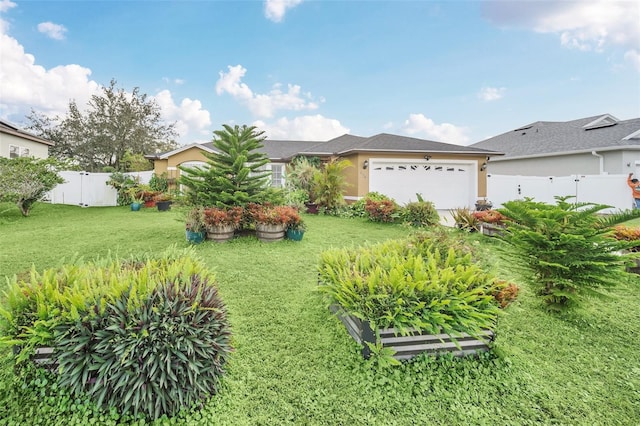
(295, 364)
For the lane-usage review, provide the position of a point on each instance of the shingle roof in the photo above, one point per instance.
(548, 137)
(10, 129)
(286, 149)
(389, 143)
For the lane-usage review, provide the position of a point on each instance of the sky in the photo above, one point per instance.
(454, 71)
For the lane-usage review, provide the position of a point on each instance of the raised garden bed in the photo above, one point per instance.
(406, 347)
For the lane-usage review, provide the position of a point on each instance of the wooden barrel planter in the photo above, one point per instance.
(406, 347)
(220, 233)
(269, 233)
(491, 229)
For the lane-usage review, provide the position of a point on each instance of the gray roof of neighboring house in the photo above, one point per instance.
(548, 137)
(280, 149)
(10, 129)
(386, 142)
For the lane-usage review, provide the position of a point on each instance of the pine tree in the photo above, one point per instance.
(234, 175)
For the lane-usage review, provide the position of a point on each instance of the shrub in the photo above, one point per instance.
(420, 213)
(627, 233)
(214, 216)
(329, 185)
(465, 219)
(490, 216)
(144, 335)
(564, 250)
(382, 211)
(410, 284)
(358, 207)
(505, 293)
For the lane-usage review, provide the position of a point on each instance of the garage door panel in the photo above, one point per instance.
(446, 185)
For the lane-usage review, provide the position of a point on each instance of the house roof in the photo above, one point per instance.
(165, 155)
(395, 143)
(281, 150)
(543, 138)
(284, 150)
(10, 129)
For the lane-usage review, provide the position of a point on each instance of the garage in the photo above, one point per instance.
(447, 183)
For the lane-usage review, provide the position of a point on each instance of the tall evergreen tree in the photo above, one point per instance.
(234, 175)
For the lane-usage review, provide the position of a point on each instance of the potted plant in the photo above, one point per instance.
(136, 198)
(163, 201)
(221, 223)
(483, 204)
(295, 230)
(270, 222)
(491, 222)
(632, 236)
(195, 225)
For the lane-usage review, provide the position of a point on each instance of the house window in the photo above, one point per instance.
(14, 151)
(24, 152)
(277, 178)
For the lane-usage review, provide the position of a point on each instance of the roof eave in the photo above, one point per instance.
(419, 151)
(27, 136)
(580, 151)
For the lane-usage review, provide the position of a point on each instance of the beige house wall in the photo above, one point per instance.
(356, 176)
(36, 149)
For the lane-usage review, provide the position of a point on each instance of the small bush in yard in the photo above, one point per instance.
(382, 211)
(357, 209)
(146, 336)
(420, 213)
(565, 250)
(410, 284)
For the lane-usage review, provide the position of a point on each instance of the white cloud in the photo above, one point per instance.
(51, 30)
(188, 116)
(584, 25)
(307, 128)
(633, 56)
(388, 125)
(274, 10)
(419, 125)
(5, 5)
(489, 94)
(263, 105)
(26, 85)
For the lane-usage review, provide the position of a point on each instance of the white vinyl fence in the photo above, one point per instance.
(89, 189)
(611, 190)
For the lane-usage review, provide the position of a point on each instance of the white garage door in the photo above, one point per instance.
(447, 184)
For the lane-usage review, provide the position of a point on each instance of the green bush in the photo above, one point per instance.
(410, 284)
(564, 250)
(358, 207)
(420, 213)
(382, 211)
(145, 335)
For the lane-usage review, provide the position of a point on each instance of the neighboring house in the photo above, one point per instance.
(587, 146)
(18, 143)
(449, 175)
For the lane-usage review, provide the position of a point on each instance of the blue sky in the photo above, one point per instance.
(456, 71)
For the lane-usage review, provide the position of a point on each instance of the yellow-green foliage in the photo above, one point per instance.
(33, 306)
(410, 284)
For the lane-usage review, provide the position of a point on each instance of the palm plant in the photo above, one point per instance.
(330, 183)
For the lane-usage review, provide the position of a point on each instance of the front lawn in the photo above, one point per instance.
(295, 364)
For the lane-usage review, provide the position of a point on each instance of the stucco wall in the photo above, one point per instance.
(37, 150)
(613, 162)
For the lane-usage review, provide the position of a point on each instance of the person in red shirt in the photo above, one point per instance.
(634, 184)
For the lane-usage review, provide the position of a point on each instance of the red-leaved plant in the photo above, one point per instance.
(627, 233)
(214, 216)
(490, 216)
